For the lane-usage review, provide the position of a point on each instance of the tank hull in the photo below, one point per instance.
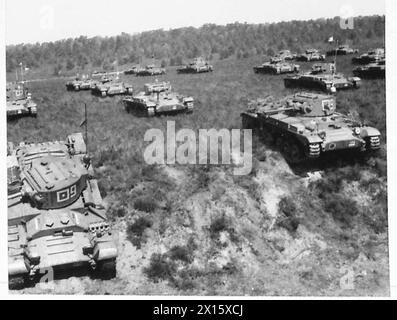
(21, 108)
(143, 109)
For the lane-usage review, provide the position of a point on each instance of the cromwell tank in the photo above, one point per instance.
(198, 65)
(80, 84)
(285, 55)
(112, 88)
(371, 56)
(342, 51)
(311, 55)
(56, 217)
(19, 101)
(150, 70)
(274, 67)
(131, 70)
(371, 71)
(305, 126)
(317, 79)
(158, 98)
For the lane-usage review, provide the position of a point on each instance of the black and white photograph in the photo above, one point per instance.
(196, 148)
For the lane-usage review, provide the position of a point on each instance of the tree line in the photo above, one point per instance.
(175, 46)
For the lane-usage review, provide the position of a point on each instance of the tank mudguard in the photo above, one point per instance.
(311, 139)
(369, 132)
(105, 250)
(17, 267)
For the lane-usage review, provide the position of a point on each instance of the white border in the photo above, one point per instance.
(391, 125)
(3, 165)
(391, 100)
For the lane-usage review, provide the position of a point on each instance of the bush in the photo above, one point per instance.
(287, 210)
(218, 225)
(160, 268)
(145, 204)
(287, 206)
(181, 253)
(343, 209)
(136, 229)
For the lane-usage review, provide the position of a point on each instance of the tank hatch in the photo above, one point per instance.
(55, 182)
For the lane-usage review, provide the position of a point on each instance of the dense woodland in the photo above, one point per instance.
(173, 47)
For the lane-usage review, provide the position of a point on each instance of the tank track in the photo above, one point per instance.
(105, 270)
(373, 143)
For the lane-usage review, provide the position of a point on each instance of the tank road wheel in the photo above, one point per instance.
(292, 151)
(150, 112)
(314, 150)
(105, 270)
(372, 143)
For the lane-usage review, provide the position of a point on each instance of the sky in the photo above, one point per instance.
(30, 21)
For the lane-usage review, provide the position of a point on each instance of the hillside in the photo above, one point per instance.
(172, 47)
(200, 230)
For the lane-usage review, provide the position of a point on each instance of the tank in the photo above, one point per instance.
(318, 79)
(371, 71)
(198, 65)
(56, 216)
(150, 70)
(286, 55)
(78, 84)
(371, 56)
(311, 55)
(132, 70)
(273, 67)
(112, 88)
(342, 51)
(19, 101)
(306, 125)
(158, 98)
(318, 68)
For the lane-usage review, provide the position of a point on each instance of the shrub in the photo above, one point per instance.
(160, 268)
(287, 210)
(218, 225)
(343, 209)
(181, 253)
(145, 204)
(136, 229)
(287, 206)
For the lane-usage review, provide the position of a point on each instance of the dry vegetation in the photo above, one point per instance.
(201, 230)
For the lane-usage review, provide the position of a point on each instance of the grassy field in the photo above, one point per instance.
(201, 230)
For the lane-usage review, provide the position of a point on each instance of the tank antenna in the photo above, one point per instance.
(336, 51)
(86, 126)
(21, 64)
